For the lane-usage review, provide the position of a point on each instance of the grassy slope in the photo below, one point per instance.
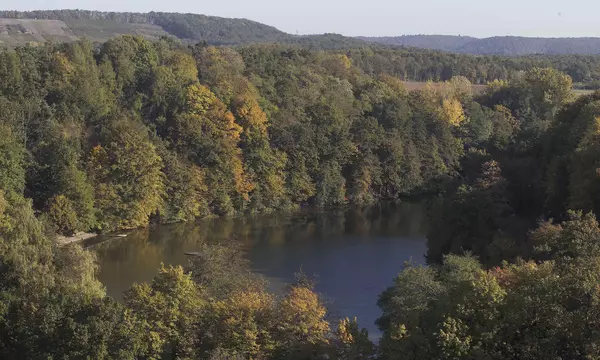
(102, 30)
(16, 32)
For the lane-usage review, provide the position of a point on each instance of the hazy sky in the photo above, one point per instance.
(548, 18)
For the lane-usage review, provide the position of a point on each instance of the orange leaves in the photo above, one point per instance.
(215, 117)
(249, 114)
(243, 184)
(208, 118)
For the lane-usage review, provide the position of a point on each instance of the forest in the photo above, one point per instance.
(129, 133)
(497, 45)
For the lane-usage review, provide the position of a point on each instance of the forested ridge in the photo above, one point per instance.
(130, 132)
(496, 45)
(195, 27)
(226, 31)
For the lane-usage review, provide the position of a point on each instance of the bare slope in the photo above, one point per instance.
(16, 31)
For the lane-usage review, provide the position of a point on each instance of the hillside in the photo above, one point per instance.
(17, 28)
(14, 32)
(504, 45)
(98, 25)
(433, 42)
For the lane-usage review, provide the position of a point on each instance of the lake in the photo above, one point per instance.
(354, 252)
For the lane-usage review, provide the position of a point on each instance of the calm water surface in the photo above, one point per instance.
(355, 253)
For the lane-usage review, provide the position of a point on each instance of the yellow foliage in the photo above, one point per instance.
(459, 87)
(98, 160)
(344, 61)
(338, 65)
(496, 85)
(345, 331)
(452, 112)
(243, 183)
(249, 114)
(303, 316)
(251, 301)
(199, 99)
(209, 115)
(242, 322)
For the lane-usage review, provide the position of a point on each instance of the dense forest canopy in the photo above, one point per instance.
(133, 132)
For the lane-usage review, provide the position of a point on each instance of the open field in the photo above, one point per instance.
(477, 89)
(15, 32)
(579, 92)
(22, 31)
(101, 30)
(417, 85)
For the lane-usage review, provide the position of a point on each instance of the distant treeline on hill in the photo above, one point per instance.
(424, 65)
(497, 45)
(187, 27)
(184, 26)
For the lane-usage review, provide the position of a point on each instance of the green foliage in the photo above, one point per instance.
(480, 126)
(126, 173)
(186, 190)
(221, 271)
(476, 218)
(458, 311)
(500, 45)
(62, 215)
(354, 342)
(138, 132)
(12, 161)
(52, 305)
(167, 312)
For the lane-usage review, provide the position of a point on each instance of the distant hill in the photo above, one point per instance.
(99, 25)
(18, 28)
(505, 45)
(14, 32)
(434, 42)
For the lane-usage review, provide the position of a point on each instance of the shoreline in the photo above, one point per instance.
(79, 237)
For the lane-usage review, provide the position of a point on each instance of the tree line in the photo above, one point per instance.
(497, 45)
(135, 132)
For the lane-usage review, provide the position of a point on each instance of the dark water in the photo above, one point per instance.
(355, 253)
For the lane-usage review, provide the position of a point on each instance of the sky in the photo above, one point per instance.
(479, 18)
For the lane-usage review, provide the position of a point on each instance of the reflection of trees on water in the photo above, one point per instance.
(136, 257)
